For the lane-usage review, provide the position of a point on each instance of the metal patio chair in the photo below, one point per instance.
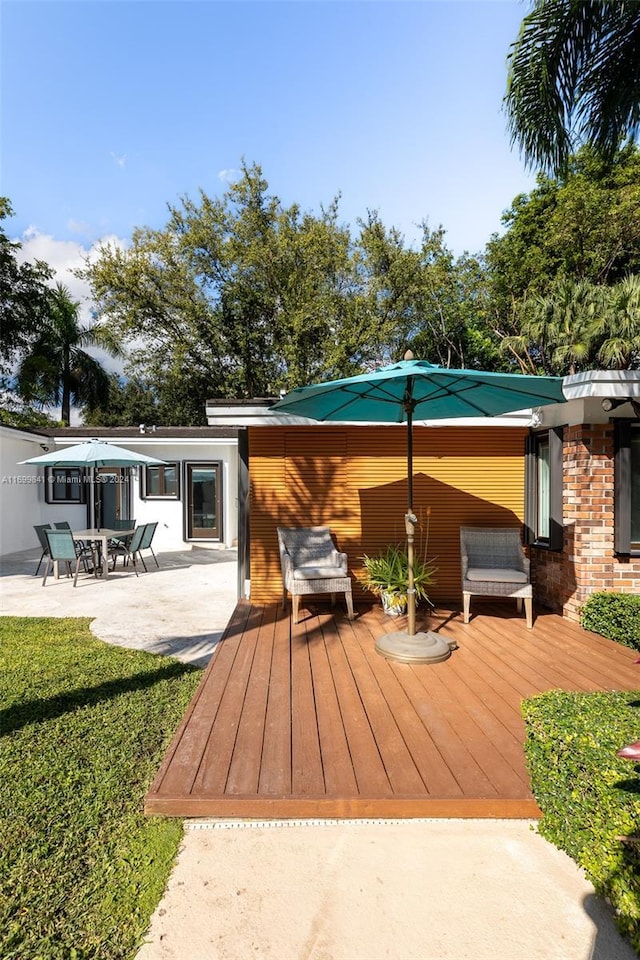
(311, 564)
(128, 551)
(145, 544)
(44, 543)
(62, 547)
(494, 565)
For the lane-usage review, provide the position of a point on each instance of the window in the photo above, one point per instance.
(627, 487)
(543, 505)
(161, 481)
(64, 485)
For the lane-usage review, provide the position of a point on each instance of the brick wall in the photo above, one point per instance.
(564, 581)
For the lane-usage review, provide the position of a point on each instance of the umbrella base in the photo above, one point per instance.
(421, 648)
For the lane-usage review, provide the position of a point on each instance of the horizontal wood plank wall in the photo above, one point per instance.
(353, 479)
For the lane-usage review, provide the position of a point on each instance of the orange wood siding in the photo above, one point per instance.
(353, 479)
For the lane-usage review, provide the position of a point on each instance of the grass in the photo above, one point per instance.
(590, 797)
(83, 727)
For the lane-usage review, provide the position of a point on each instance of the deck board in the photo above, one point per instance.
(307, 720)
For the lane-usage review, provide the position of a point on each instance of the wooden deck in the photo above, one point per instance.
(309, 721)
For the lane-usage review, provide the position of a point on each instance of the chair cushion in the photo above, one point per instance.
(319, 572)
(497, 574)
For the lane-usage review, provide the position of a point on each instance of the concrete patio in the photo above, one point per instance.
(179, 609)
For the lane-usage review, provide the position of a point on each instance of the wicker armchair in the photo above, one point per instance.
(494, 565)
(311, 564)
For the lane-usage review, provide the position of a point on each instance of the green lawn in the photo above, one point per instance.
(83, 727)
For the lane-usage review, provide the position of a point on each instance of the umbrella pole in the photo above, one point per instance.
(410, 521)
(410, 647)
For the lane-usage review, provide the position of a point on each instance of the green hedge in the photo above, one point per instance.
(613, 615)
(589, 796)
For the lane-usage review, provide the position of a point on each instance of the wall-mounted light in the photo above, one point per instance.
(609, 404)
(44, 447)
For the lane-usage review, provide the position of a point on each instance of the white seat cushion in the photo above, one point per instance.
(319, 572)
(497, 574)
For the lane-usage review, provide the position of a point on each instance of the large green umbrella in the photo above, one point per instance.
(415, 389)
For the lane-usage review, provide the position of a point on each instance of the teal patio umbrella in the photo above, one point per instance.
(399, 393)
(92, 454)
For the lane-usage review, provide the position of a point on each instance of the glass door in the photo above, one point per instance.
(112, 495)
(204, 501)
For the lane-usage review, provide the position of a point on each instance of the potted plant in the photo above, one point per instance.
(387, 576)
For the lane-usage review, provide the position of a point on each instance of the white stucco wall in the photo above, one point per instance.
(21, 490)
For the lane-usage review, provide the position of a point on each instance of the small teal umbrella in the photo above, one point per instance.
(415, 389)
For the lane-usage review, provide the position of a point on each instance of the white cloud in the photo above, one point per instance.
(64, 257)
(120, 159)
(229, 176)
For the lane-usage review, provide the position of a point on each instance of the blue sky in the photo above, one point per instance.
(112, 110)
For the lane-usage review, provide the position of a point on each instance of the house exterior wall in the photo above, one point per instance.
(21, 490)
(23, 501)
(587, 563)
(353, 479)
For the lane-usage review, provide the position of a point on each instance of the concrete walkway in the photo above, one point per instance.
(325, 890)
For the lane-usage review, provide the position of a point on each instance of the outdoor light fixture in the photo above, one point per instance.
(44, 447)
(609, 404)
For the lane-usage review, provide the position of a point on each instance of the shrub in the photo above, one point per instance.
(590, 797)
(613, 615)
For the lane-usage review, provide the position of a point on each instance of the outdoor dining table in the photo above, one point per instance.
(101, 536)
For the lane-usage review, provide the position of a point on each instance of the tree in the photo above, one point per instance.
(56, 368)
(23, 297)
(129, 403)
(556, 336)
(422, 299)
(574, 78)
(237, 296)
(618, 326)
(584, 229)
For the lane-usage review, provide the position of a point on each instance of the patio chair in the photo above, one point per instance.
(494, 565)
(311, 564)
(122, 525)
(83, 549)
(145, 544)
(44, 543)
(62, 547)
(129, 550)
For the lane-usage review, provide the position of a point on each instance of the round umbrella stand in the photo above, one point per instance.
(419, 648)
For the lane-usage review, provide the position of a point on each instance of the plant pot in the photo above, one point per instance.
(394, 603)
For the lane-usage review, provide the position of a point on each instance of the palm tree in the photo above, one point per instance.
(618, 326)
(558, 329)
(574, 77)
(57, 369)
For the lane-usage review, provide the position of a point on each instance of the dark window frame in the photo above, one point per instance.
(554, 541)
(144, 481)
(622, 505)
(75, 482)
